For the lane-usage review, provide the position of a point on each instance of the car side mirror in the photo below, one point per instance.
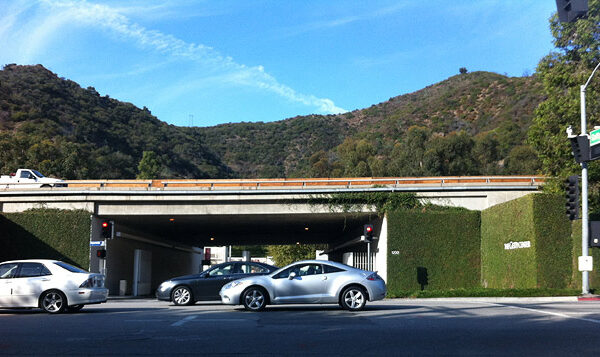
(292, 275)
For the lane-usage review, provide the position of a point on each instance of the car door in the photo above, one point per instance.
(213, 280)
(7, 272)
(307, 286)
(29, 283)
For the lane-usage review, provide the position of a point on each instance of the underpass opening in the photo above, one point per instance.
(175, 244)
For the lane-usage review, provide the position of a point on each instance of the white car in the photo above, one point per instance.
(51, 285)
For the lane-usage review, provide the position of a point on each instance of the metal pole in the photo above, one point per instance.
(585, 289)
(368, 256)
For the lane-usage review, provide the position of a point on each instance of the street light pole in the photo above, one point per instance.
(585, 288)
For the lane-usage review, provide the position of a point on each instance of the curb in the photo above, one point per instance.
(589, 298)
(497, 299)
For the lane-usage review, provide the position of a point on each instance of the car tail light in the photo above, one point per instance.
(88, 283)
(373, 277)
(93, 282)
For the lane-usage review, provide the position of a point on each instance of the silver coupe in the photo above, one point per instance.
(307, 282)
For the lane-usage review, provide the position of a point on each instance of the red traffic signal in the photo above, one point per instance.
(368, 232)
(101, 253)
(107, 229)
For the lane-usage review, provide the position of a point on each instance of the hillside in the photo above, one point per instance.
(473, 123)
(495, 109)
(61, 129)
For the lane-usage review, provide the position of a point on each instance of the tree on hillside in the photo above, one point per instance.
(562, 73)
(462, 70)
(149, 166)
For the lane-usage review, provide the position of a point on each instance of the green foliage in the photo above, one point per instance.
(433, 250)
(287, 254)
(355, 201)
(149, 166)
(594, 275)
(562, 73)
(63, 130)
(539, 219)
(46, 234)
(56, 126)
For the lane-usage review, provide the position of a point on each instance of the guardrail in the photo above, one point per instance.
(304, 183)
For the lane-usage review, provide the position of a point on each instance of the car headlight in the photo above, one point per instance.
(165, 286)
(233, 284)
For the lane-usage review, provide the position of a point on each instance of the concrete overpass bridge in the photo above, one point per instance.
(174, 219)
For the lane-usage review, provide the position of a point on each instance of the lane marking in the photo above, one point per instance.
(558, 314)
(184, 320)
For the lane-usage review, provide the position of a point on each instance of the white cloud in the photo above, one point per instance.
(61, 13)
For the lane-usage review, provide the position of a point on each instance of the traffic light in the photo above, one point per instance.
(101, 253)
(580, 147)
(571, 10)
(368, 232)
(594, 234)
(572, 195)
(107, 229)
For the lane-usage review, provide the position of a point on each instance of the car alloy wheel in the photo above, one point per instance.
(182, 296)
(354, 298)
(254, 299)
(54, 302)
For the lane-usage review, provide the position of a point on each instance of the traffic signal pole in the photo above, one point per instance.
(585, 233)
(585, 287)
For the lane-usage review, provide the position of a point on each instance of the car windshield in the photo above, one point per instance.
(70, 268)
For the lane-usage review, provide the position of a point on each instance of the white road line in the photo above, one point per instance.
(559, 314)
(184, 320)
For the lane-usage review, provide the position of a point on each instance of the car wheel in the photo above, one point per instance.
(353, 298)
(182, 295)
(74, 308)
(53, 302)
(254, 298)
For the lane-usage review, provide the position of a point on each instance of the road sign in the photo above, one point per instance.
(595, 137)
(97, 243)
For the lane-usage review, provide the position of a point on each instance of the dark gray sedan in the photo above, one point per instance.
(186, 290)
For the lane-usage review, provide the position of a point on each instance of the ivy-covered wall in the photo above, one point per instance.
(46, 234)
(536, 228)
(433, 249)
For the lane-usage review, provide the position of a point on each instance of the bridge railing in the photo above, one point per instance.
(304, 183)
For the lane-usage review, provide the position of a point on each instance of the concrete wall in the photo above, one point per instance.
(166, 263)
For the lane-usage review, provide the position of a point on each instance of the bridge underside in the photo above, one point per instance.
(247, 229)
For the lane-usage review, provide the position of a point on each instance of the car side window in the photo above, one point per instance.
(331, 269)
(8, 270)
(222, 270)
(284, 273)
(310, 269)
(250, 268)
(29, 270)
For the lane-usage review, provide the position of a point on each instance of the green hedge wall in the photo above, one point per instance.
(437, 249)
(538, 219)
(594, 275)
(46, 234)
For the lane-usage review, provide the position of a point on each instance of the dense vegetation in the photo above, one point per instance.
(472, 123)
(53, 125)
(48, 234)
(562, 73)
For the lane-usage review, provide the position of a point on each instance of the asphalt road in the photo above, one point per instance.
(390, 327)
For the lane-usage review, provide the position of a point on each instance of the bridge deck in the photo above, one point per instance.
(305, 183)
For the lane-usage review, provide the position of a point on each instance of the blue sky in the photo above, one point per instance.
(221, 61)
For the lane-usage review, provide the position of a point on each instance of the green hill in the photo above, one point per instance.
(61, 129)
(473, 123)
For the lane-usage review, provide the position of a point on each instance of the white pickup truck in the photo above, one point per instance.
(27, 178)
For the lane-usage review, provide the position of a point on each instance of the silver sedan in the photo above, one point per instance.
(307, 282)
